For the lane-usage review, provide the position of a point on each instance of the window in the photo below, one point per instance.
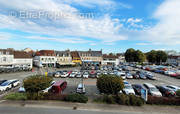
(4, 59)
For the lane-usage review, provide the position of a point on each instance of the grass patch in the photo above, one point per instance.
(16, 96)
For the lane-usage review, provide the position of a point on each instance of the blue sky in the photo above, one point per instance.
(111, 25)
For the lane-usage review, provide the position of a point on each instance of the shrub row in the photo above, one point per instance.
(76, 98)
(121, 99)
(16, 96)
(163, 100)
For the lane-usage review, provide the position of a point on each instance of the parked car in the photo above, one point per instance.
(128, 89)
(7, 85)
(49, 88)
(64, 74)
(58, 87)
(166, 91)
(135, 76)
(137, 88)
(152, 90)
(2, 81)
(129, 76)
(85, 75)
(79, 75)
(57, 74)
(141, 75)
(149, 75)
(173, 87)
(81, 89)
(125, 82)
(21, 90)
(15, 82)
(72, 75)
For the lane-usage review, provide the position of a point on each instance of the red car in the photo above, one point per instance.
(59, 86)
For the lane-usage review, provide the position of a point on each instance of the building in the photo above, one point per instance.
(64, 58)
(6, 57)
(28, 50)
(22, 58)
(45, 58)
(173, 59)
(110, 60)
(91, 57)
(76, 58)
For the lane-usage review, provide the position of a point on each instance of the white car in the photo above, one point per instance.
(129, 76)
(128, 89)
(122, 75)
(6, 85)
(15, 82)
(173, 87)
(57, 75)
(72, 75)
(81, 88)
(21, 89)
(169, 72)
(64, 74)
(152, 90)
(79, 75)
(47, 89)
(86, 75)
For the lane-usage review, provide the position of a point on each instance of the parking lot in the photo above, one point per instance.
(90, 83)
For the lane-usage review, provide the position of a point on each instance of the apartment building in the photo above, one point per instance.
(45, 58)
(63, 58)
(173, 59)
(91, 57)
(6, 57)
(110, 60)
(22, 58)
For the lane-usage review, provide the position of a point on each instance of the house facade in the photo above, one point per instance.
(110, 60)
(64, 58)
(91, 57)
(6, 57)
(173, 59)
(22, 58)
(45, 58)
(76, 58)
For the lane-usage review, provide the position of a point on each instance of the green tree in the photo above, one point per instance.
(129, 55)
(156, 56)
(109, 84)
(34, 84)
(139, 56)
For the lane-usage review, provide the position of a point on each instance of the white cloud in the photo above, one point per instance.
(104, 28)
(5, 36)
(142, 44)
(132, 20)
(167, 30)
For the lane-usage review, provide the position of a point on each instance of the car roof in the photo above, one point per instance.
(80, 85)
(149, 85)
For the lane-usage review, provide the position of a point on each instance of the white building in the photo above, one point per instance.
(45, 58)
(173, 60)
(23, 59)
(110, 60)
(6, 57)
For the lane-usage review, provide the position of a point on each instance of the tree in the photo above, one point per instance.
(34, 84)
(132, 55)
(129, 55)
(156, 56)
(109, 84)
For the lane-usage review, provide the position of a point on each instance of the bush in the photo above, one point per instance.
(109, 99)
(163, 100)
(34, 84)
(122, 99)
(51, 96)
(16, 96)
(135, 101)
(109, 84)
(35, 96)
(178, 93)
(76, 98)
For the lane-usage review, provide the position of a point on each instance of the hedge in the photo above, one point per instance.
(76, 98)
(163, 100)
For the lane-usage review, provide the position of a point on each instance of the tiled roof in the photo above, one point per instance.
(92, 53)
(45, 53)
(75, 54)
(21, 54)
(110, 56)
(4, 51)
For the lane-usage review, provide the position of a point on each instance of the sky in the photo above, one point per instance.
(110, 25)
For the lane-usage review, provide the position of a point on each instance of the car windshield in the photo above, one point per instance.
(154, 89)
(5, 83)
(128, 87)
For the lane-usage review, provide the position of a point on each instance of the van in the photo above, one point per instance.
(59, 86)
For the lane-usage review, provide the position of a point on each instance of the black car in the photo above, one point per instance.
(166, 91)
(137, 88)
(2, 81)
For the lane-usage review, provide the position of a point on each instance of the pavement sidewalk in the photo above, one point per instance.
(152, 109)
